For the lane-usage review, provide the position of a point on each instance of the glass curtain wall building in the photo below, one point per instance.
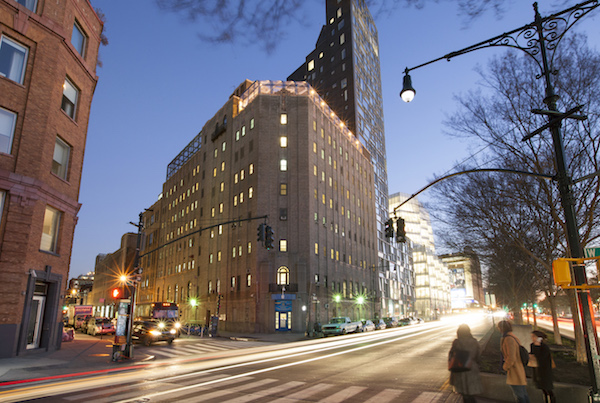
(344, 69)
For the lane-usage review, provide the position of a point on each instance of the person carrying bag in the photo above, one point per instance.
(463, 365)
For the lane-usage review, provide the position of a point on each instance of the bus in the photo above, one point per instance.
(157, 310)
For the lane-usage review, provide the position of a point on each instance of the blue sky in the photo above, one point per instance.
(160, 83)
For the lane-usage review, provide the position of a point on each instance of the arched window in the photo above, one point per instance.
(283, 276)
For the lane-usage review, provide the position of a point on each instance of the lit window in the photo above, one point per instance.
(7, 129)
(283, 276)
(251, 169)
(237, 135)
(339, 12)
(283, 119)
(242, 197)
(283, 245)
(222, 186)
(243, 131)
(60, 161)
(223, 166)
(235, 178)
(214, 172)
(223, 146)
(342, 39)
(221, 208)
(283, 165)
(78, 39)
(218, 257)
(251, 123)
(30, 4)
(283, 141)
(248, 280)
(69, 99)
(50, 230)
(250, 193)
(242, 174)
(316, 248)
(344, 83)
(321, 55)
(331, 20)
(311, 65)
(249, 247)
(235, 200)
(283, 189)
(12, 60)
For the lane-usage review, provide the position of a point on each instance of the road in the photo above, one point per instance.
(405, 364)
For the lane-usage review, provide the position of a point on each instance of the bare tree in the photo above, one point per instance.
(265, 22)
(519, 211)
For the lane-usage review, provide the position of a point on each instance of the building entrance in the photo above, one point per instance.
(36, 316)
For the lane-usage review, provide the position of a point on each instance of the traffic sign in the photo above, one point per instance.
(592, 252)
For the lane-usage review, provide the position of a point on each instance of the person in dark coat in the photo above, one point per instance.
(542, 374)
(467, 383)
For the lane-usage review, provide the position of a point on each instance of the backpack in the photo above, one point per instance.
(523, 353)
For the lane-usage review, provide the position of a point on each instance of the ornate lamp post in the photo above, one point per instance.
(539, 40)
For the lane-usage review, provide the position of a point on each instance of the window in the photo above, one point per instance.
(50, 230)
(30, 4)
(7, 129)
(248, 280)
(283, 245)
(78, 39)
(283, 189)
(311, 65)
(343, 57)
(69, 99)
(342, 39)
(283, 141)
(344, 82)
(283, 214)
(283, 119)
(283, 165)
(283, 276)
(60, 161)
(12, 60)
(2, 196)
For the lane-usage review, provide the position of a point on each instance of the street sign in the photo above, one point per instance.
(592, 252)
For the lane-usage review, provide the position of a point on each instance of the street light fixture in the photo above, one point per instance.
(539, 40)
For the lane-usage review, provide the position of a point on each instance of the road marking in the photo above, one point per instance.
(343, 395)
(220, 393)
(260, 394)
(385, 396)
(303, 394)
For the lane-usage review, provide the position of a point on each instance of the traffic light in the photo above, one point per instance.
(269, 237)
(260, 233)
(116, 293)
(400, 231)
(389, 228)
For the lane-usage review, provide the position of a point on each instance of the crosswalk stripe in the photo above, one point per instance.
(219, 393)
(428, 397)
(259, 394)
(385, 396)
(343, 395)
(303, 394)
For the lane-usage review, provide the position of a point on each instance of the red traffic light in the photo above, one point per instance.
(116, 293)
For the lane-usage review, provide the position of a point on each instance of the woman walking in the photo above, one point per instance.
(515, 372)
(542, 373)
(467, 383)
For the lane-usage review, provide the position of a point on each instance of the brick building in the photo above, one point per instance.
(48, 56)
(275, 153)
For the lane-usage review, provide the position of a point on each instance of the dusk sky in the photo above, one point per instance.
(160, 83)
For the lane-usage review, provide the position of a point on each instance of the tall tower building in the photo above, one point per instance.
(344, 70)
(48, 57)
(432, 279)
(275, 154)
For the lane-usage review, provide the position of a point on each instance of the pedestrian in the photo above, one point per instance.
(467, 383)
(542, 373)
(515, 371)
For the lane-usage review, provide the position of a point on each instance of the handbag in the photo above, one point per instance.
(532, 361)
(459, 361)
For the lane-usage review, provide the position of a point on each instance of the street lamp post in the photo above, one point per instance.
(539, 40)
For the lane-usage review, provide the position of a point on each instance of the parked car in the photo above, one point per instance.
(406, 322)
(390, 321)
(341, 325)
(151, 331)
(80, 321)
(367, 326)
(379, 324)
(96, 326)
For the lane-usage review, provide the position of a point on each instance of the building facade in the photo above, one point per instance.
(344, 69)
(107, 275)
(432, 287)
(466, 282)
(274, 154)
(48, 56)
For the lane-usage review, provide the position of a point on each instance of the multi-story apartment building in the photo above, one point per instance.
(432, 288)
(48, 56)
(344, 69)
(276, 154)
(466, 283)
(107, 275)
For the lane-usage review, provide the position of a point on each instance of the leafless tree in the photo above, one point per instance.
(524, 212)
(265, 22)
